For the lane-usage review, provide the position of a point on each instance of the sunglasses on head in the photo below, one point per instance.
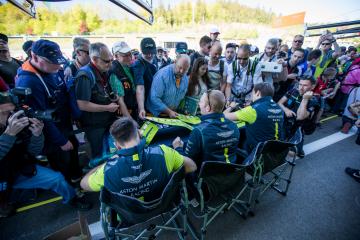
(208, 92)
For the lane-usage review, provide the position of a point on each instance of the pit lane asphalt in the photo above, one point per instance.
(322, 203)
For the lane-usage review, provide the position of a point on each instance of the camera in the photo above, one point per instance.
(19, 96)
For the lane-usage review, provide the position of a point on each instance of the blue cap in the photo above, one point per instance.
(49, 50)
(181, 48)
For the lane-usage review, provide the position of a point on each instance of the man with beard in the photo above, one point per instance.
(169, 87)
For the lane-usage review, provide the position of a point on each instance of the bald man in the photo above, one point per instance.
(216, 68)
(169, 88)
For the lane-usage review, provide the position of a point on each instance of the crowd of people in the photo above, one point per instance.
(106, 93)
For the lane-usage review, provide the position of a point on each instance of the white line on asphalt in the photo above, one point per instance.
(327, 141)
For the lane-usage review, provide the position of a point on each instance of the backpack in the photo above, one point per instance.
(251, 70)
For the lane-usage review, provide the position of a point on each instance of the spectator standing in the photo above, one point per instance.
(144, 71)
(169, 87)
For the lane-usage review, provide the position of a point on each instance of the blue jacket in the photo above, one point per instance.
(214, 139)
(39, 100)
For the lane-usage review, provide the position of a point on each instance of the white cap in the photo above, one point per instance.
(121, 47)
(214, 29)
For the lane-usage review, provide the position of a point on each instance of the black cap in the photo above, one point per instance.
(147, 46)
(181, 48)
(4, 38)
(27, 45)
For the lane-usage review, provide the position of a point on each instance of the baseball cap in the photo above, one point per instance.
(159, 48)
(49, 50)
(121, 47)
(147, 46)
(181, 47)
(27, 45)
(4, 38)
(214, 30)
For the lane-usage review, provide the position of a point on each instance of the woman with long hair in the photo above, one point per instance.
(199, 79)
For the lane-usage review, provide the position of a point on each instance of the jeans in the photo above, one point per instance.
(48, 179)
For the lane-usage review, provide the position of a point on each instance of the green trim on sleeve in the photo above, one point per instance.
(247, 114)
(116, 85)
(173, 159)
(96, 179)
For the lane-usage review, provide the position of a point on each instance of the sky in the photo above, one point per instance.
(317, 11)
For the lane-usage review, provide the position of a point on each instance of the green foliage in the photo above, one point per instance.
(77, 20)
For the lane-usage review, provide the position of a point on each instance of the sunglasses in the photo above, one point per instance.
(298, 41)
(244, 59)
(325, 44)
(4, 51)
(125, 55)
(81, 50)
(105, 61)
(208, 92)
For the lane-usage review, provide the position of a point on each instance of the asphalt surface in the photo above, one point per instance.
(322, 203)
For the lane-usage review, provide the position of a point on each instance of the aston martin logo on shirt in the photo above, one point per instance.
(137, 179)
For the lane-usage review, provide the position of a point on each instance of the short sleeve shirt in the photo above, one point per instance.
(173, 161)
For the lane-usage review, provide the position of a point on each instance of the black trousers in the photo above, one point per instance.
(66, 162)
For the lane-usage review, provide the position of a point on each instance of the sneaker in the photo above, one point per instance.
(301, 153)
(354, 173)
(346, 128)
(80, 204)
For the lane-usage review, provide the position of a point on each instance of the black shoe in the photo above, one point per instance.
(80, 204)
(354, 173)
(6, 210)
(300, 153)
(358, 140)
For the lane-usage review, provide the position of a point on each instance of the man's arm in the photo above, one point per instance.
(6, 143)
(174, 160)
(93, 107)
(156, 94)
(93, 180)
(287, 111)
(140, 98)
(247, 114)
(302, 112)
(194, 147)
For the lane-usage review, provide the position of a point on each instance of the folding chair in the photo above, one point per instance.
(270, 158)
(214, 182)
(125, 217)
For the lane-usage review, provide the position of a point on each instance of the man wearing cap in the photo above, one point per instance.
(166, 56)
(8, 65)
(41, 74)
(169, 87)
(159, 59)
(181, 48)
(144, 71)
(122, 79)
(27, 48)
(96, 98)
(214, 34)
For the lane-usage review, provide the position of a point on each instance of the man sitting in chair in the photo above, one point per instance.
(137, 171)
(215, 138)
(264, 118)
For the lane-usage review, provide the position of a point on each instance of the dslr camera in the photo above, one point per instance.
(19, 96)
